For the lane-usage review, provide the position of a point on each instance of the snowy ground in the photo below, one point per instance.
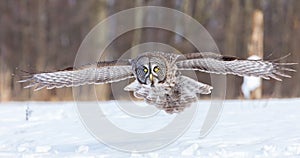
(261, 128)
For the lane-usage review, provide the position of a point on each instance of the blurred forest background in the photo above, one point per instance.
(44, 35)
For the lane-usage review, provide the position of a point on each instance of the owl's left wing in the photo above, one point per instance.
(99, 73)
(219, 64)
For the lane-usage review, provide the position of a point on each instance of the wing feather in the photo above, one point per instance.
(219, 64)
(99, 73)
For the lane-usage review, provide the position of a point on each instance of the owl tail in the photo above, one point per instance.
(184, 94)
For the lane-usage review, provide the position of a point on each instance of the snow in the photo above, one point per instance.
(250, 83)
(246, 128)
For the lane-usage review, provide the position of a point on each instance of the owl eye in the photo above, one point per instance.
(156, 68)
(145, 69)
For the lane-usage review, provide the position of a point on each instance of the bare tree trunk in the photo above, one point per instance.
(230, 43)
(5, 82)
(100, 14)
(137, 35)
(183, 27)
(41, 44)
(255, 44)
(295, 48)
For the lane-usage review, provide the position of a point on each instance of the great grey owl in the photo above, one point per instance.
(158, 78)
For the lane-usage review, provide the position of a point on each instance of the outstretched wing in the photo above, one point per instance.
(219, 64)
(99, 73)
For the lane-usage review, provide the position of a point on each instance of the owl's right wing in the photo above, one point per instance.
(99, 73)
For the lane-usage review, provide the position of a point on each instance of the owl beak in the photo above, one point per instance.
(151, 79)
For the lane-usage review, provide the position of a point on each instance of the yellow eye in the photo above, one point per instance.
(145, 70)
(155, 69)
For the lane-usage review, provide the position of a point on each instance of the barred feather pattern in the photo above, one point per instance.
(215, 63)
(90, 74)
(171, 99)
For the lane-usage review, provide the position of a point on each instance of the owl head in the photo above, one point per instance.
(151, 68)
